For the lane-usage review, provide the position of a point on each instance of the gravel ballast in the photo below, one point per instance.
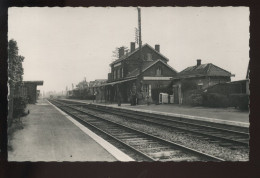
(188, 140)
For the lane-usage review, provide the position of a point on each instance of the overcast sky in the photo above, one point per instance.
(63, 45)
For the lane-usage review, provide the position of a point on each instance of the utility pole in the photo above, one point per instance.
(140, 39)
(139, 84)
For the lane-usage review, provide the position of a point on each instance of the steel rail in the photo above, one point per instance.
(186, 149)
(148, 158)
(181, 122)
(138, 113)
(155, 121)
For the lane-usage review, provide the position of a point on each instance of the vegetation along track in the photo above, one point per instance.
(233, 137)
(150, 147)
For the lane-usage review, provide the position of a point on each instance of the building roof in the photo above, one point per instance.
(203, 70)
(147, 65)
(36, 82)
(136, 50)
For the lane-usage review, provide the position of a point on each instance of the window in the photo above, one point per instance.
(122, 72)
(159, 71)
(114, 74)
(149, 57)
(147, 89)
(118, 73)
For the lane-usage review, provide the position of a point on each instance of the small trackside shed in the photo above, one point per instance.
(28, 90)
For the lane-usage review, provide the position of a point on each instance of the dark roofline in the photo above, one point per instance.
(221, 68)
(37, 82)
(187, 75)
(137, 49)
(237, 81)
(155, 62)
(118, 81)
(159, 60)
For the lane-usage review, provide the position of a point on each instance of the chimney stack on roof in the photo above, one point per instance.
(121, 51)
(132, 46)
(157, 48)
(198, 62)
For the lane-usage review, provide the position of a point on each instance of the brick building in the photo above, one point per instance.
(128, 73)
(203, 75)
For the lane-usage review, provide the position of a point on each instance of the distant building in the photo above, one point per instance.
(94, 86)
(203, 75)
(125, 76)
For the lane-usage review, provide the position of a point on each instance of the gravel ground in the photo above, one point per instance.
(184, 139)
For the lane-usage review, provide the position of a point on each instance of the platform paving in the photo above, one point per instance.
(230, 114)
(221, 115)
(47, 135)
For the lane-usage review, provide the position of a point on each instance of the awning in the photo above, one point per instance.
(117, 82)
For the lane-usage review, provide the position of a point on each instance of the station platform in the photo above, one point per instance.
(49, 134)
(229, 116)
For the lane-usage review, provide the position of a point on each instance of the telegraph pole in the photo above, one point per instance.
(140, 39)
(139, 85)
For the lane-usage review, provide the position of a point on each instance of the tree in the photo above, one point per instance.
(15, 73)
(15, 68)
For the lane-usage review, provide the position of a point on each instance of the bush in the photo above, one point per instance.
(19, 106)
(215, 100)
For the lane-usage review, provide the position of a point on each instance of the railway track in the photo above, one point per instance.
(224, 137)
(146, 146)
(237, 138)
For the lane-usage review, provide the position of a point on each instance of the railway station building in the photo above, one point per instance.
(128, 73)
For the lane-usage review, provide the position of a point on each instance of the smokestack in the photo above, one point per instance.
(121, 51)
(157, 48)
(198, 62)
(132, 46)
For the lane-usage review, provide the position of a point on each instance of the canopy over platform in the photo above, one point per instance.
(117, 82)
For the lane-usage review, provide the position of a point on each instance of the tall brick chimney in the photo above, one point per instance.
(198, 62)
(132, 46)
(121, 51)
(157, 48)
